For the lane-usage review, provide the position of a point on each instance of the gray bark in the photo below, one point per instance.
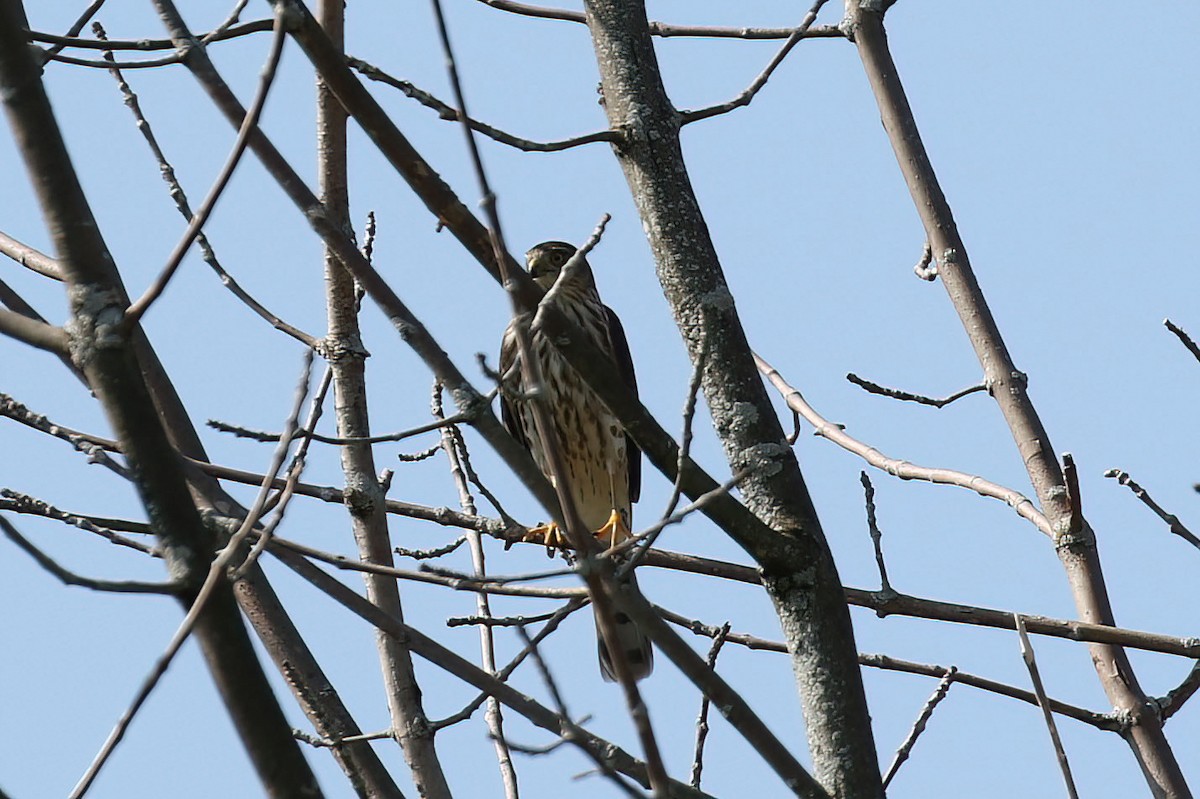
(797, 566)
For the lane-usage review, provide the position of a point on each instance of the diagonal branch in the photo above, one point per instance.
(1077, 551)
(895, 466)
(747, 95)
(450, 113)
(106, 355)
(466, 671)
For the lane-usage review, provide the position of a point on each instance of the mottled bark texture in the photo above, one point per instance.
(1075, 542)
(364, 495)
(796, 563)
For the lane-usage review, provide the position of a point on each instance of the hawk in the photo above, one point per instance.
(604, 465)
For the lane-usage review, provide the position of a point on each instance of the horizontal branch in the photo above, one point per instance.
(905, 396)
(889, 604)
(886, 662)
(897, 604)
(257, 26)
(667, 30)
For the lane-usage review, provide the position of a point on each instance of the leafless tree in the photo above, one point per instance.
(215, 542)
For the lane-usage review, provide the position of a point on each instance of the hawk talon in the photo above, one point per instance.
(614, 531)
(548, 534)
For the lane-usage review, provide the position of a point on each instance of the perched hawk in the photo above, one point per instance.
(604, 466)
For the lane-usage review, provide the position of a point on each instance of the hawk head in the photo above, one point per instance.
(546, 260)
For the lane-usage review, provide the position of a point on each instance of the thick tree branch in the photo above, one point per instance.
(798, 569)
(106, 355)
(368, 518)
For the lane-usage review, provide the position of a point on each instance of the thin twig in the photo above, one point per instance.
(147, 45)
(23, 503)
(689, 415)
(876, 534)
(1173, 524)
(76, 26)
(419, 455)
(95, 449)
(666, 29)
(702, 719)
(449, 113)
(1031, 664)
(1100, 721)
(1184, 337)
(1074, 497)
(167, 171)
(499, 621)
(328, 743)
(895, 393)
(750, 91)
(304, 432)
(71, 578)
(918, 727)
(900, 468)
(434, 552)
(295, 469)
(249, 126)
(1170, 704)
(493, 716)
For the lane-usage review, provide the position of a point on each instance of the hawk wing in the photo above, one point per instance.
(620, 349)
(508, 409)
(509, 414)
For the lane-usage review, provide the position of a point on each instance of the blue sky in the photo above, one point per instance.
(1064, 137)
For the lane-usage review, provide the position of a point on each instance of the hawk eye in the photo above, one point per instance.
(558, 257)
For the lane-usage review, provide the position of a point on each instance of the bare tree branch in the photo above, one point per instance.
(347, 356)
(885, 587)
(435, 653)
(71, 578)
(181, 202)
(666, 30)
(901, 468)
(487, 645)
(1173, 524)
(450, 113)
(894, 393)
(1076, 551)
(918, 727)
(1182, 335)
(1098, 720)
(702, 720)
(811, 608)
(1036, 678)
(29, 257)
(745, 98)
(266, 78)
(107, 357)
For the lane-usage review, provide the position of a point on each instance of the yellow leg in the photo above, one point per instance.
(614, 530)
